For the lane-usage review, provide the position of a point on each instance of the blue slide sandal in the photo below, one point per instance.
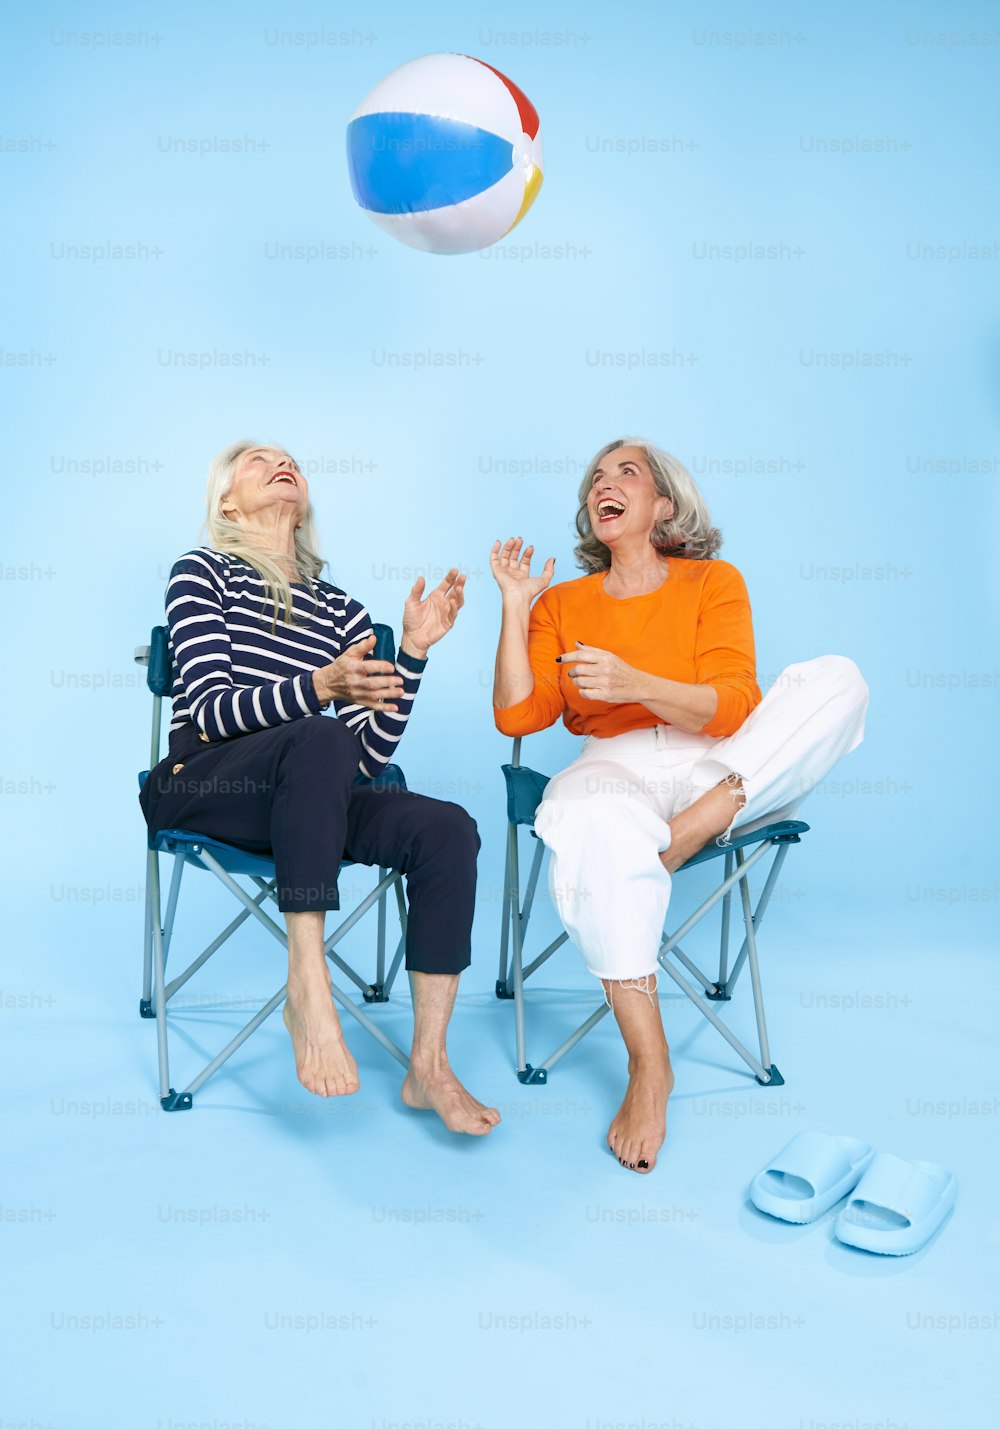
(811, 1174)
(896, 1206)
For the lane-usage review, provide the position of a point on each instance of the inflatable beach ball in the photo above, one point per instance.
(445, 154)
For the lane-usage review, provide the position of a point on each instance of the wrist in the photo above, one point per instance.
(409, 646)
(643, 687)
(515, 600)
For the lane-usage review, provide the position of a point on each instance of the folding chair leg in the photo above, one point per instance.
(146, 1001)
(167, 1094)
(523, 1069)
(376, 990)
(720, 993)
(758, 915)
(758, 997)
(401, 945)
(767, 1076)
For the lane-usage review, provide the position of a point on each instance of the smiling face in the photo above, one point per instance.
(623, 501)
(266, 477)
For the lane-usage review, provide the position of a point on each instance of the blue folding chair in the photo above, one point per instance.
(228, 863)
(746, 848)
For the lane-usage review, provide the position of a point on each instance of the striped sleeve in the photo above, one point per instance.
(200, 641)
(377, 730)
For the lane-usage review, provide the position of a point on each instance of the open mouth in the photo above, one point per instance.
(282, 476)
(609, 510)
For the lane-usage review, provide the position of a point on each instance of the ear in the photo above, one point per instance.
(664, 508)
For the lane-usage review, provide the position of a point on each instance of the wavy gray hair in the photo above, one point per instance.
(688, 532)
(236, 540)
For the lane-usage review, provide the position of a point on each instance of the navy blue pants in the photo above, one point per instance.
(290, 792)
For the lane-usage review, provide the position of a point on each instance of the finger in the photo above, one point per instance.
(417, 589)
(360, 648)
(584, 656)
(377, 667)
(448, 581)
(526, 556)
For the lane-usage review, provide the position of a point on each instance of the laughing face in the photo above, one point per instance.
(266, 477)
(623, 501)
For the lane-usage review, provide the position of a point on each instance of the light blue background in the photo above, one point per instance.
(859, 503)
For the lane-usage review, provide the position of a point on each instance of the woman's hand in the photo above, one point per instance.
(599, 675)
(356, 681)
(512, 570)
(426, 621)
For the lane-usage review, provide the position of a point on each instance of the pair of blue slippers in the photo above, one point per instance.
(893, 1207)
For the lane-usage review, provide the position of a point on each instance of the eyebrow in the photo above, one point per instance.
(254, 450)
(628, 462)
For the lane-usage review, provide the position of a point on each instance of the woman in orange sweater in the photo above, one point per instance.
(650, 656)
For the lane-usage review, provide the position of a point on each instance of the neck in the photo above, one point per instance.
(637, 569)
(274, 527)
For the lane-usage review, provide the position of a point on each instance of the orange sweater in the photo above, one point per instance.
(695, 627)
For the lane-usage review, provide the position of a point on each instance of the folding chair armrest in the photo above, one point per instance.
(391, 777)
(525, 788)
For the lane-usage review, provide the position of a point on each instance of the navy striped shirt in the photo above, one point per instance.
(232, 675)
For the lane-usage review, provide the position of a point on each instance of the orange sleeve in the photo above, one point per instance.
(724, 652)
(545, 703)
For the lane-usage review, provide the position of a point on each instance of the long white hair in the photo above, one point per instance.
(235, 539)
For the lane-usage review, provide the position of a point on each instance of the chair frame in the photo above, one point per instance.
(223, 860)
(525, 785)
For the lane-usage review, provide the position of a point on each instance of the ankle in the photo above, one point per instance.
(312, 986)
(429, 1061)
(649, 1061)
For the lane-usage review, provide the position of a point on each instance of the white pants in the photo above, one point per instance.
(605, 817)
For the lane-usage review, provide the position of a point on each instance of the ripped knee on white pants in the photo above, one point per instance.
(646, 984)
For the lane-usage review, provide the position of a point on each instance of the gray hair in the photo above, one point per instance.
(236, 540)
(688, 532)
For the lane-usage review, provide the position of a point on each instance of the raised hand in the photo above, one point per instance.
(427, 620)
(357, 681)
(511, 569)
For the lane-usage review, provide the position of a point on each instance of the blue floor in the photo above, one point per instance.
(269, 1259)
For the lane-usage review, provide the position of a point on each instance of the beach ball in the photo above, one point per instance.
(445, 154)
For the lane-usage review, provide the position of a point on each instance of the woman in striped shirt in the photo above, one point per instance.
(260, 646)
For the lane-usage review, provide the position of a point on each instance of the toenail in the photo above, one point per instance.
(644, 1165)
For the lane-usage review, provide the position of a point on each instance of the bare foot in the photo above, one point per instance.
(322, 1061)
(637, 1132)
(433, 1086)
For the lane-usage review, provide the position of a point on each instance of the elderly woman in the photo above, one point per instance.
(261, 648)
(650, 656)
